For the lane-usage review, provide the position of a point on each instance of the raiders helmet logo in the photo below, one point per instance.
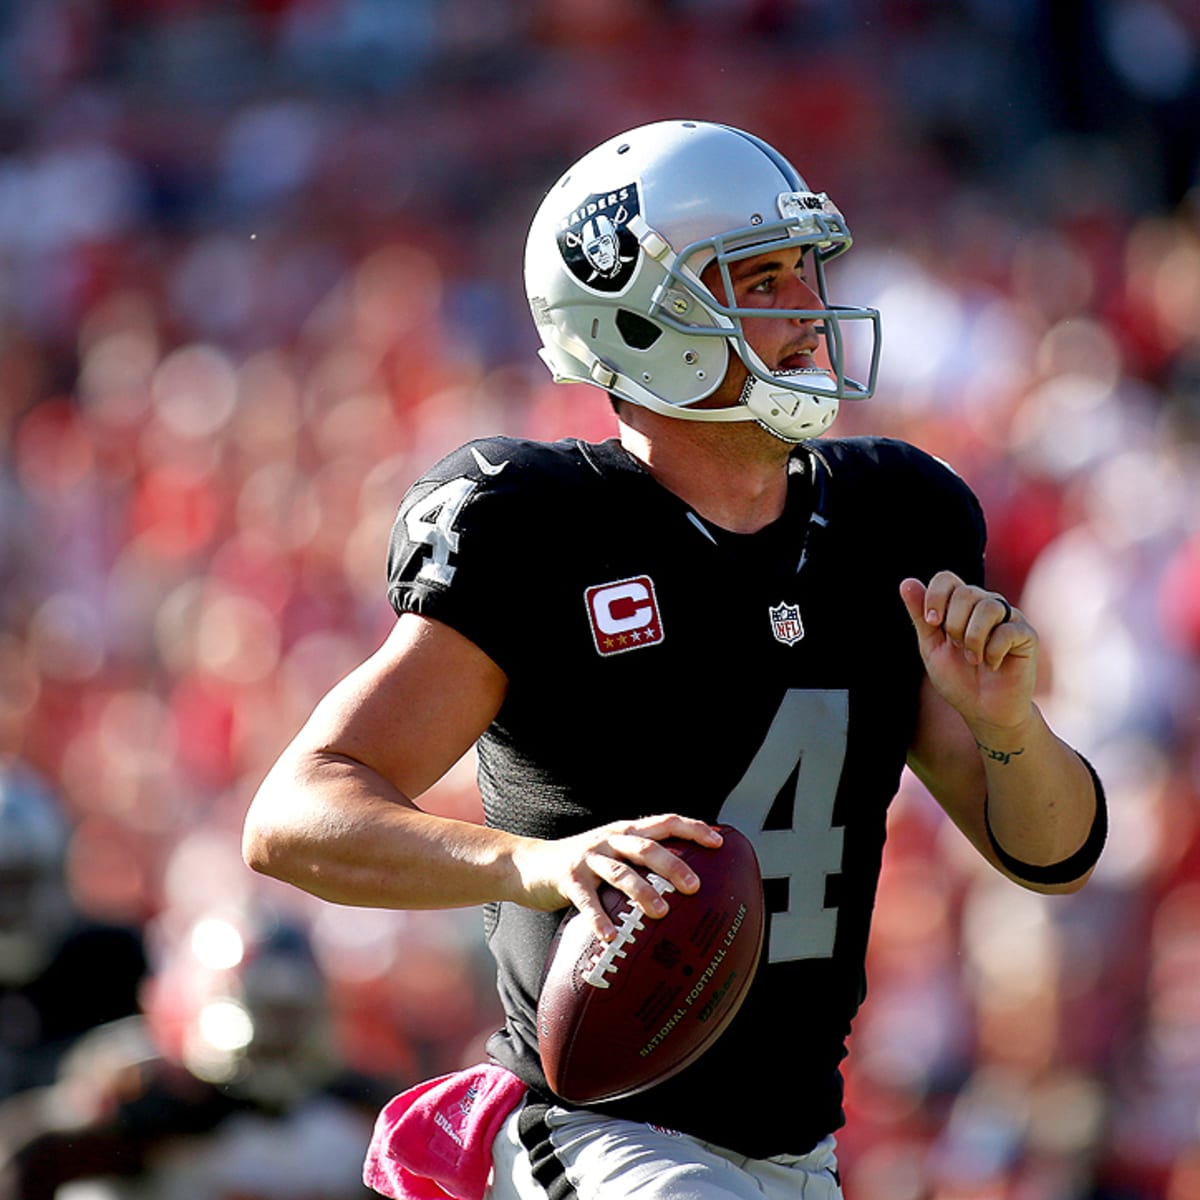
(595, 241)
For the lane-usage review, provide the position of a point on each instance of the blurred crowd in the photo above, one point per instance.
(260, 264)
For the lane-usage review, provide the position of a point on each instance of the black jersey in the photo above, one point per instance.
(658, 663)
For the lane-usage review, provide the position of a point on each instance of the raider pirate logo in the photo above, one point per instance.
(595, 241)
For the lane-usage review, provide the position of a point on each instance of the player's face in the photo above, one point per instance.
(778, 279)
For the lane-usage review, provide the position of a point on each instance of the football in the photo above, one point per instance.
(617, 1018)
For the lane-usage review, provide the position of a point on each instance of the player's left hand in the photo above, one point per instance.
(980, 654)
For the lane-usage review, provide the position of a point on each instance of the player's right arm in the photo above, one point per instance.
(337, 814)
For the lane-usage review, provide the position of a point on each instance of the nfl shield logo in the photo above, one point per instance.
(786, 623)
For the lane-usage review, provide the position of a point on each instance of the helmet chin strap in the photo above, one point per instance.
(790, 415)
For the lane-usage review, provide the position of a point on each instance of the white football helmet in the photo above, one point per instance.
(613, 263)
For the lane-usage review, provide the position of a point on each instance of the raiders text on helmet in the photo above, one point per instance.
(613, 264)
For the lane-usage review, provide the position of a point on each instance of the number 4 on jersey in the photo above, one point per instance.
(807, 739)
(429, 520)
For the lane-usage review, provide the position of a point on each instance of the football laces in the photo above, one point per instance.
(631, 921)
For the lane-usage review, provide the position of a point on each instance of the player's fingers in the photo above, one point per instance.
(938, 596)
(961, 610)
(666, 825)
(981, 613)
(649, 855)
(586, 899)
(626, 878)
(628, 855)
(1010, 636)
(912, 593)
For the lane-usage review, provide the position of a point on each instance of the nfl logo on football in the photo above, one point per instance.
(786, 623)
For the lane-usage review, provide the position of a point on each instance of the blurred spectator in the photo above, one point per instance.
(61, 974)
(230, 1085)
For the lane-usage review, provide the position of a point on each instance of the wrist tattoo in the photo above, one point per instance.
(1003, 757)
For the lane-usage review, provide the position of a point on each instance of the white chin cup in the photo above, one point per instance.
(790, 415)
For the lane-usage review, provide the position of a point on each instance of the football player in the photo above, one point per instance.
(718, 616)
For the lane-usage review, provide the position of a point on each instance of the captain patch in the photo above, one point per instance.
(624, 615)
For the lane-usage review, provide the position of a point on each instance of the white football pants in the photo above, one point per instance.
(548, 1153)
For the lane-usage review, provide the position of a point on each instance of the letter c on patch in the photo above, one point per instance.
(624, 615)
(623, 607)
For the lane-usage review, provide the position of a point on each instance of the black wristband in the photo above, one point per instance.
(1069, 869)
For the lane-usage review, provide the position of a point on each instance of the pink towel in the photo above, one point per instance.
(435, 1140)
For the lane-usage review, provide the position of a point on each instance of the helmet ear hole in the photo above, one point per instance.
(637, 331)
